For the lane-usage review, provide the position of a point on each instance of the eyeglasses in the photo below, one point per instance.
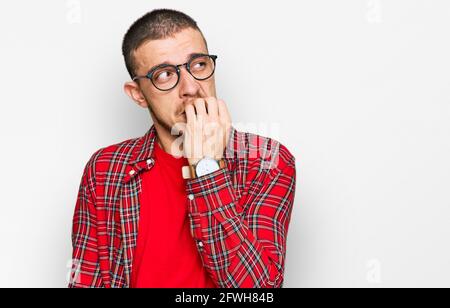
(165, 77)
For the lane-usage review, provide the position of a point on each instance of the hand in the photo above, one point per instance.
(207, 129)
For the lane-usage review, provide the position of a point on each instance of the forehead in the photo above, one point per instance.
(175, 49)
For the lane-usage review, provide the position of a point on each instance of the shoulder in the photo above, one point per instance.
(103, 159)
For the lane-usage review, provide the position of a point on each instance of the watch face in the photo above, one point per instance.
(206, 166)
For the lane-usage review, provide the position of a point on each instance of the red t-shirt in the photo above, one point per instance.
(166, 255)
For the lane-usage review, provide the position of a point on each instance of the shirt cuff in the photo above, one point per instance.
(210, 191)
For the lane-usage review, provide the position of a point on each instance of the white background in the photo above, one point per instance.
(357, 89)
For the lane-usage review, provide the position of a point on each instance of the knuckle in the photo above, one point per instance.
(212, 101)
(198, 101)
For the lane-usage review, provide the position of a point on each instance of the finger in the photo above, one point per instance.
(223, 111)
(200, 107)
(213, 109)
(190, 114)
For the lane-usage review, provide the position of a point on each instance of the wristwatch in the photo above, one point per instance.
(204, 166)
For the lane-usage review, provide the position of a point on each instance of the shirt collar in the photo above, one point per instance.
(143, 149)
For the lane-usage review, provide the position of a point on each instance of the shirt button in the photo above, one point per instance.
(132, 172)
(200, 244)
(149, 161)
(191, 197)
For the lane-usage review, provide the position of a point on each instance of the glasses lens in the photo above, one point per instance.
(202, 67)
(165, 78)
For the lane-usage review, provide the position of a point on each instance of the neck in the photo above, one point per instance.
(168, 142)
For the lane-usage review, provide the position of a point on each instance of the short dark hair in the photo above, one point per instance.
(155, 25)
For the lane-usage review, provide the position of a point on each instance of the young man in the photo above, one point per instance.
(192, 203)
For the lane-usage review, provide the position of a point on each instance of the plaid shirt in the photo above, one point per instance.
(239, 215)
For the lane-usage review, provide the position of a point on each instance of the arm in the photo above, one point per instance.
(243, 242)
(85, 266)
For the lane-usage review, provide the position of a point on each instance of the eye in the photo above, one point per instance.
(163, 76)
(199, 66)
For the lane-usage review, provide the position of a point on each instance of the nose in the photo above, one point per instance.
(189, 86)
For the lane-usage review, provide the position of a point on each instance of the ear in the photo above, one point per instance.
(133, 90)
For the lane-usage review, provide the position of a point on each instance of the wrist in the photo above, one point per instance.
(202, 167)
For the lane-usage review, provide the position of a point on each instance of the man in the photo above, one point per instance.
(192, 203)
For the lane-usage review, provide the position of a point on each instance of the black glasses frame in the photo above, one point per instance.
(177, 69)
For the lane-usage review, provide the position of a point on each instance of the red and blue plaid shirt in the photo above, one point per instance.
(239, 215)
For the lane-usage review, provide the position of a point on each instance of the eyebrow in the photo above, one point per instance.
(167, 62)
